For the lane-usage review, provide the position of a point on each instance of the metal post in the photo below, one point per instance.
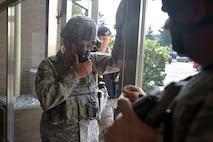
(141, 42)
(95, 9)
(132, 42)
(17, 49)
(10, 78)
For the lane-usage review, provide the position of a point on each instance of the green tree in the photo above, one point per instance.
(76, 10)
(101, 19)
(150, 34)
(112, 42)
(164, 38)
(154, 65)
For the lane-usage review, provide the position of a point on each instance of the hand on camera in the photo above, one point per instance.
(132, 92)
(127, 127)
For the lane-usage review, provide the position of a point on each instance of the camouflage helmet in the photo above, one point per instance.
(80, 27)
(173, 5)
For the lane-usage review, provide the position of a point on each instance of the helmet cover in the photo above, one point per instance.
(81, 28)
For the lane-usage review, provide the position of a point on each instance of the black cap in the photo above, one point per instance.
(104, 31)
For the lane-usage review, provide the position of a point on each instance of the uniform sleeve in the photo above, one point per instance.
(106, 63)
(49, 89)
(201, 129)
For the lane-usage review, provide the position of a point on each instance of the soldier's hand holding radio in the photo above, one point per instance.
(82, 69)
(130, 125)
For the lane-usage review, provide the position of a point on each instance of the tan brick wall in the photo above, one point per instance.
(33, 15)
(3, 51)
(26, 124)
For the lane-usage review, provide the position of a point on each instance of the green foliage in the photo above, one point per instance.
(150, 34)
(101, 19)
(155, 57)
(76, 10)
(154, 65)
(164, 38)
(112, 42)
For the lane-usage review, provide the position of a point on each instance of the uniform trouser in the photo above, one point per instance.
(89, 132)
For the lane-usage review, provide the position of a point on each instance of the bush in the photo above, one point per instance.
(154, 65)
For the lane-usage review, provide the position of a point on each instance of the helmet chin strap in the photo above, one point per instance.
(81, 56)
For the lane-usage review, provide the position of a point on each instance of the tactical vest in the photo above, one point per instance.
(77, 107)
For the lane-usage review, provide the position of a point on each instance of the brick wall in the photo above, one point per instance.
(3, 51)
(33, 15)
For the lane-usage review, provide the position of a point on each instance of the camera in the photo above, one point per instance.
(143, 106)
(151, 109)
(98, 43)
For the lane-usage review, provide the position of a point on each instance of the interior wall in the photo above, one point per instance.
(33, 22)
(3, 51)
(54, 26)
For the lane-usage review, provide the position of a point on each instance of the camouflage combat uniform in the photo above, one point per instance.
(192, 111)
(65, 98)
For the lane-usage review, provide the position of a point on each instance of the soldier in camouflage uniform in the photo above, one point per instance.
(188, 116)
(67, 86)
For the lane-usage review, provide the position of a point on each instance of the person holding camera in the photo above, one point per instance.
(67, 85)
(183, 111)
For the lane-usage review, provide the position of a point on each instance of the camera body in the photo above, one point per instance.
(152, 108)
(145, 104)
(98, 43)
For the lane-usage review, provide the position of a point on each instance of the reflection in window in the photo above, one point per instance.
(78, 9)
